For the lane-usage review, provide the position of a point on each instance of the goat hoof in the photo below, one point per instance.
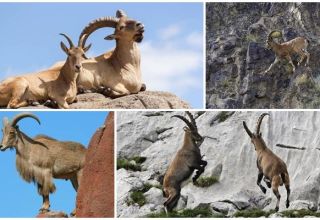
(287, 204)
(276, 209)
(264, 190)
(43, 210)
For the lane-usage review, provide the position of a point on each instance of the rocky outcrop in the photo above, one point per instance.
(231, 157)
(95, 196)
(142, 100)
(52, 215)
(237, 56)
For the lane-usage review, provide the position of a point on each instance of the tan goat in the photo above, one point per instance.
(187, 159)
(287, 49)
(117, 70)
(43, 158)
(57, 84)
(270, 166)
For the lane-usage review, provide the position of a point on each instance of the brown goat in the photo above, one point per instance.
(270, 166)
(57, 84)
(187, 159)
(43, 158)
(287, 49)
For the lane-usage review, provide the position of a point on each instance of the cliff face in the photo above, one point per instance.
(237, 56)
(230, 155)
(95, 197)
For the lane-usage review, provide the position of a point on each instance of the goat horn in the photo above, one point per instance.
(16, 119)
(193, 121)
(120, 13)
(247, 129)
(80, 43)
(259, 122)
(68, 39)
(279, 34)
(97, 24)
(185, 120)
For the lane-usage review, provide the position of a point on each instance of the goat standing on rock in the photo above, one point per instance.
(43, 158)
(287, 49)
(187, 159)
(57, 84)
(270, 166)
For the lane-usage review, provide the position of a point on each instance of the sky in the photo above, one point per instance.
(21, 199)
(171, 52)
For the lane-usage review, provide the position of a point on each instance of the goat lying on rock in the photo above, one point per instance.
(187, 159)
(287, 49)
(43, 158)
(57, 84)
(270, 166)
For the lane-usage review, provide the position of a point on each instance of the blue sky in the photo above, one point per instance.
(19, 198)
(172, 49)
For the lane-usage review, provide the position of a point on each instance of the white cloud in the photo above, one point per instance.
(195, 39)
(169, 68)
(169, 32)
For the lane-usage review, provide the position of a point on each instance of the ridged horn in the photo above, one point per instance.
(18, 117)
(259, 123)
(120, 13)
(97, 24)
(193, 121)
(270, 35)
(68, 39)
(247, 129)
(185, 120)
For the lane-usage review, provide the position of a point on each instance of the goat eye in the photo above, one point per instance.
(121, 27)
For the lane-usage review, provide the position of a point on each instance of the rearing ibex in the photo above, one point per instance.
(287, 49)
(187, 159)
(43, 158)
(270, 166)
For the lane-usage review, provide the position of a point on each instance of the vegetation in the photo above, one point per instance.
(206, 181)
(133, 163)
(137, 196)
(253, 213)
(200, 212)
(299, 213)
(224, 115)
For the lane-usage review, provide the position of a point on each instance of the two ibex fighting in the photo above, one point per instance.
(287, 49)
(188, 158)
(117, 72)
(42, 158)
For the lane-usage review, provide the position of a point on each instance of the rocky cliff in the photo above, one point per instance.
(95, 197)
(154, 137)
(237, 56)
(142, 100)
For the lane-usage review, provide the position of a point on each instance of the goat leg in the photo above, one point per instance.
(267, 181)
(275, 185)
(290, 61)
(46, 204)
(172, 201)
(143, 87)
(200, 170)
(274, 63)
(263, 189)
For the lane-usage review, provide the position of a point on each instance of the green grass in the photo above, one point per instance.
(206, 181)
(299, 213)
(128, 165)
(203, 212)
(222, 116)
(253, 213)
(137, 196)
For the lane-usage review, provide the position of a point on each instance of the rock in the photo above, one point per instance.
(224, 208)
(237, 56)
(276, 215)
(95, 196)
(52, 214)
(142, 100)
(154, 196)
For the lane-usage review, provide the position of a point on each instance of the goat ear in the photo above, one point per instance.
(110, 37)
(64, 47)
(87, 48)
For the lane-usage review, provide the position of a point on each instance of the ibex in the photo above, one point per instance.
(117, 70)
(287, 49)
(43, 158)
(57, 84)
(270, 166)
(187, 159)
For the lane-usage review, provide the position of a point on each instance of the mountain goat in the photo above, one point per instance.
(57, 84)
(270, 166)
(118, 70)
(287, 49)
(187, 159)
(43, 158)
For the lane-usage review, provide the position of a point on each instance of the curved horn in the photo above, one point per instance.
(120, 13)
(247, 129)
(18, 117)
(80, 43)
(95, 25)
(272, 33)
(68, 39)
(259, 122)
(193, 121)
(185, 120)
